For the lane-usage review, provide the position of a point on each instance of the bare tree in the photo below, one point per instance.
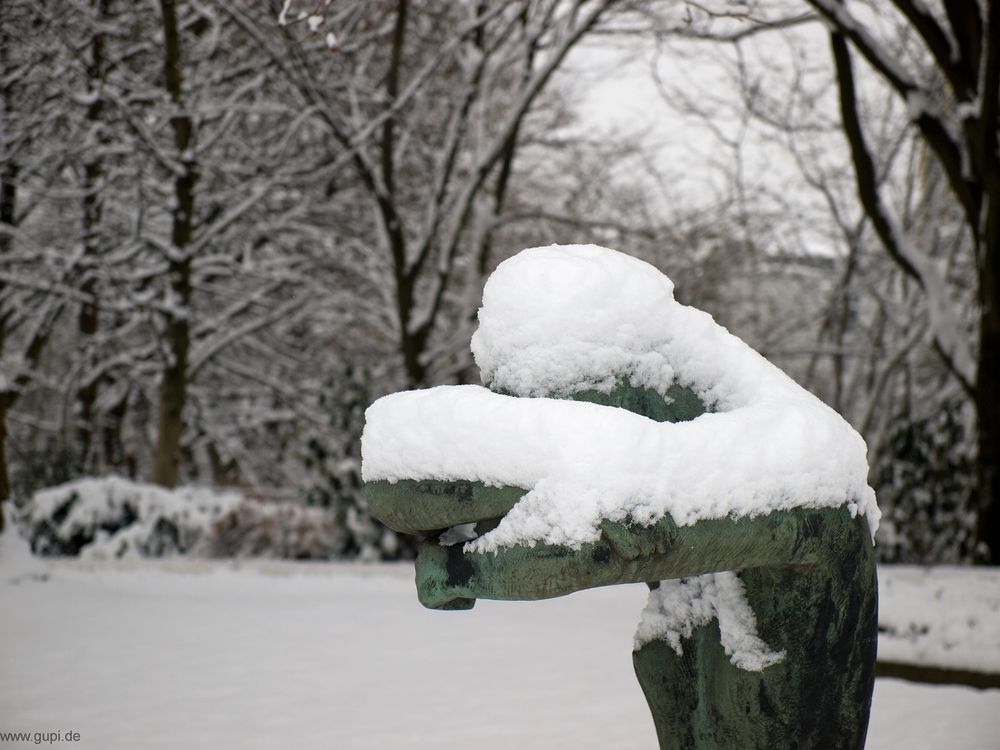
(228, 268)
(957, 114)
(28, 275)
(168, 285)
(430, 119)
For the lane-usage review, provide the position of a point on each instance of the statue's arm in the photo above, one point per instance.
(625, 553)
(451, 577)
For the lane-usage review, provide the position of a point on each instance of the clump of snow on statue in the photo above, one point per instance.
(561, 319)
(677, 607)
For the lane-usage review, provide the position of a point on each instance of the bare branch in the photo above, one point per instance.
(947, 335)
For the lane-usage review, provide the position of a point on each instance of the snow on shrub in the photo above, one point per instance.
(293, 532)
(115, 517)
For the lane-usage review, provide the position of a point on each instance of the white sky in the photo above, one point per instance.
(619, 98)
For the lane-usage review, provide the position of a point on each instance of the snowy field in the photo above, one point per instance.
(189, 654)
(940, 617)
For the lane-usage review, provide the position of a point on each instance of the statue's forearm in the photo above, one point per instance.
(426, 506)
(450, 577)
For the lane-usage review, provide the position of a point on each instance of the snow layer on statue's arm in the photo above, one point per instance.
(583, 463)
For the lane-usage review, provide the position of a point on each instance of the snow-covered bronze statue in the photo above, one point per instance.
(741, 499)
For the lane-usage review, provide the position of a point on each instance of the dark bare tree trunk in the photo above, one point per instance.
(411, 342)
(987, 396)
(4, 479)
(173, 386)
(987, 393)
(93, 171)
(988, 413)
(8, 196)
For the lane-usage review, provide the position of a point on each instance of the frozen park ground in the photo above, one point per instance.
(190, 654)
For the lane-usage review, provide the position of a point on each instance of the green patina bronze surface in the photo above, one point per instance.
(677, 404)
(809, 575)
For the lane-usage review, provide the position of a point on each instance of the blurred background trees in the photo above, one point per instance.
(225, 228)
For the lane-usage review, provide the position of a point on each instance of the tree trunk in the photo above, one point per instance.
(988, 459)
(4, 480)
(173, 386)
(93, 171)
(987, 393)
(8, 196)
(411, 343)
(170, 416)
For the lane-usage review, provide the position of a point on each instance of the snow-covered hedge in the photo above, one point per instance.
(115, 517)
(291, 532)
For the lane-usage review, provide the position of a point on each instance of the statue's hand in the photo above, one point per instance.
(447, 578)
(428, 508)
(453, 577)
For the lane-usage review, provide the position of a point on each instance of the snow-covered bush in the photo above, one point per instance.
(926, 483)
(115, 517)
(294, 532)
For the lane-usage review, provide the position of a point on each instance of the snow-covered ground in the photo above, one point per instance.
(942, 617)
(190, 654)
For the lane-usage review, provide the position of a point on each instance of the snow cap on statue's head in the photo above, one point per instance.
(568, 317)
